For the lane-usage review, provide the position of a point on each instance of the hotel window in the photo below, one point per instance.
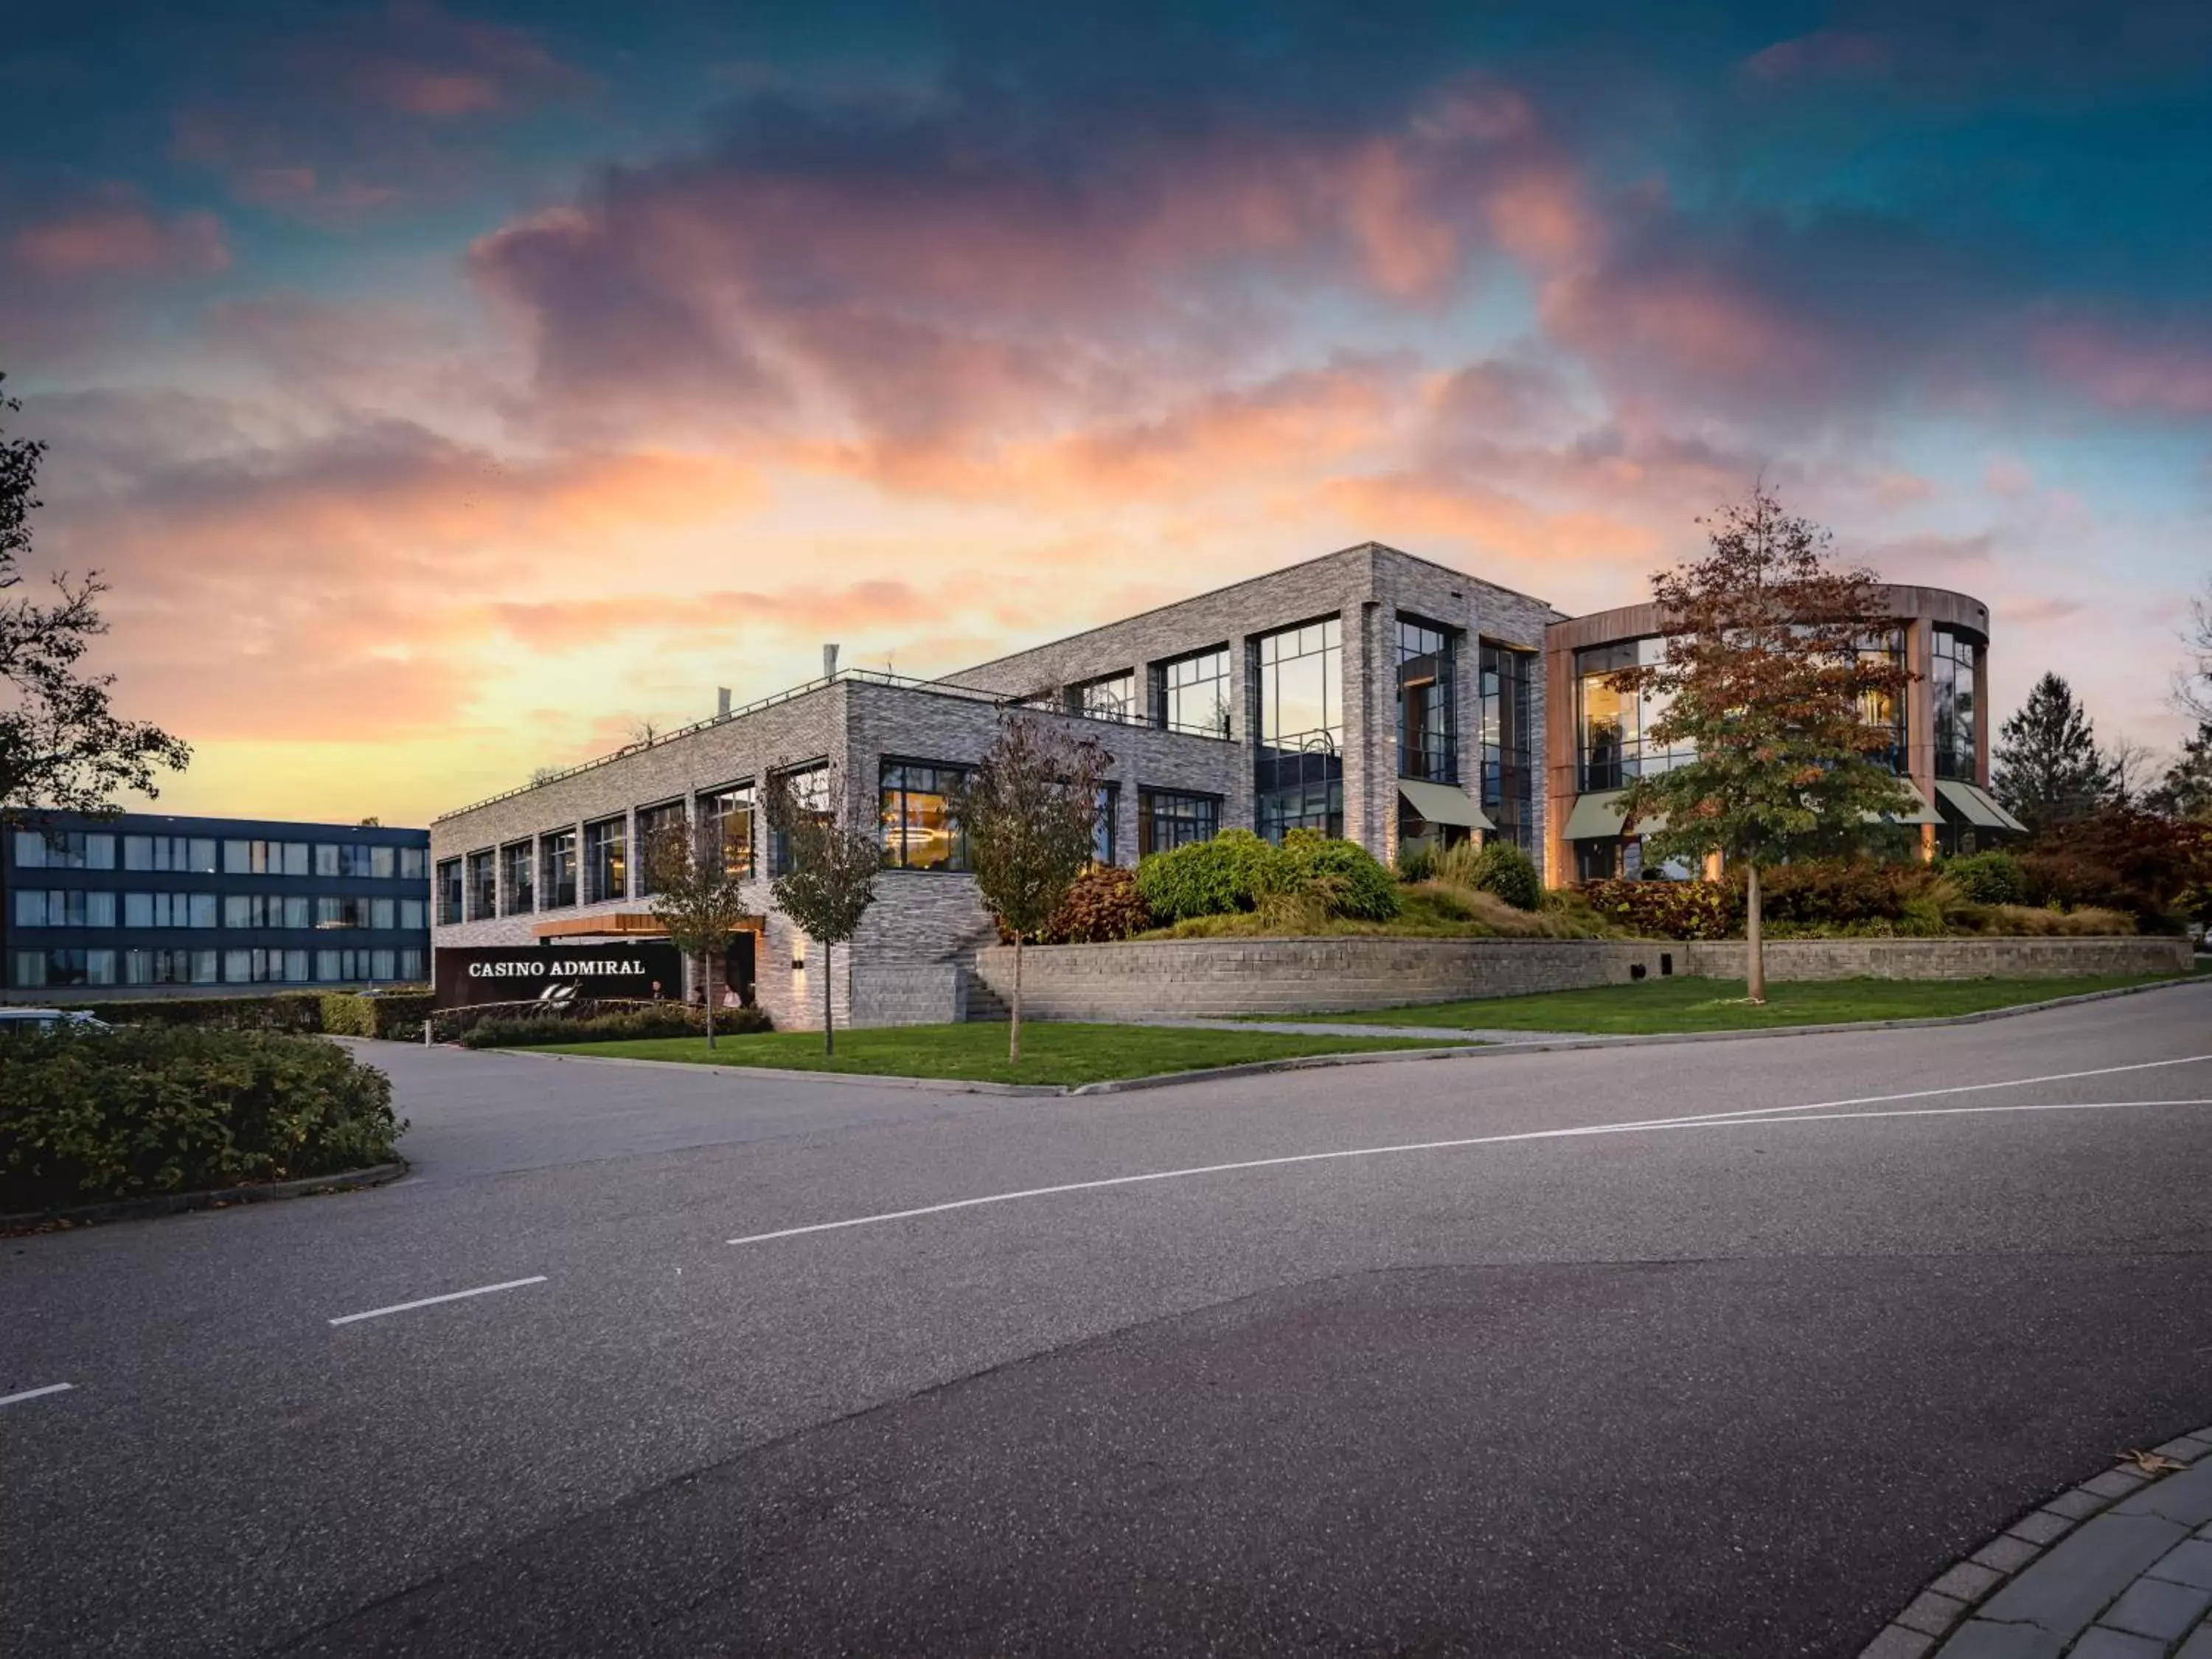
(169, 967)
(177, 910)
(265, 967)
(660, 831)
(71, 908)
(298, 912)
(516, 858)
(449, 891)
(557, 856)
(382, 914)
(920, 832)
(335, 912)
(1298, 689)
(606, 860)
(64, 850)
(410, 965)
(1614, 726)
(1168, 818)
(173, 854)
(414, 864)
(1951, 693)
(383, 862)
(1884, 710)
(727, 818)
(266, 857)
(1109, 697)
(411, 917)
(1425, 719)
(254, 910)
(67, 967)
(1508, 773)
(1191, 694)
(482, 886)
(810, 792)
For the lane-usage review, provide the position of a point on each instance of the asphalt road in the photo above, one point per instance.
(1732, 1387)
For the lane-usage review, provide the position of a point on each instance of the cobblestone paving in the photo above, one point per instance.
(2119, 1567)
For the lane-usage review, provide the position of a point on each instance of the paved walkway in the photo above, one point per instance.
(2120, 1567)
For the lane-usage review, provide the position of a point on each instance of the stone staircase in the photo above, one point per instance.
(984, 1003)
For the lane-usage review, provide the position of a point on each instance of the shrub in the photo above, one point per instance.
(2144, 863)
(282, 1011)
(1992, 878)
(1504, 869)
(1342, 878)
(1417, 864)
(1837, 890)
(1103, 906)
(520, 1030)
(397, 1016)
(153, 1109)
(1665, 910)
(1233, 871)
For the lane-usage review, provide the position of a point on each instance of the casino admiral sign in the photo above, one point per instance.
(556, 973)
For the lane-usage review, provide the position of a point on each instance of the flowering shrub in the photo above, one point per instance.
(1666, 909)
(1103, 906)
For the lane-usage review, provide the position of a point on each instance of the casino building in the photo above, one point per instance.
(1367, 693)
(153, 904)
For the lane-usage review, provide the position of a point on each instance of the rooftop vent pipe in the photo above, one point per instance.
(828, 662)
(721, 702)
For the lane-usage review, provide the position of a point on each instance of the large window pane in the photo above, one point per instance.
(1110, 697)
(414, 863)
(137, 852)
(729, 819)
(1191, 694)
(383, 862)
(810, 790)
(516, 862)
(449, 892)
(656, 825)
(1951, 694)
(558, 857)
(203, 909)
(606, 860)
(918, 827)
(1425, 692)
(1298, 775)
(482, 887)
(138, 910)
(326, 860)
(411, 916)
(1167, 819)
(1508, 771)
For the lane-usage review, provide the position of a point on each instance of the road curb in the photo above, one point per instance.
(1444, 1050)
(132, 1209)
(1947, 1602)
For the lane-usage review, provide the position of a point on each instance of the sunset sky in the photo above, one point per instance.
(444, 387)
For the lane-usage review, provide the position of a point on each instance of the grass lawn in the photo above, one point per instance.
(1051, 1053)
(1716, 1004)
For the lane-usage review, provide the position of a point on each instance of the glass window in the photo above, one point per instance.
(30, 906)
(412, 918)
(1425, 719)
(30, 850)
(244, 857)
(200, 854)
(383, 862)
(449, 891)
(137, 852)
(65, 967)
(298, 912)
(342, 911)
(516, 865)
(414, 864)
(410, 965)
(1102, 831)
(810, 789)
(557, 855)
(1951, 692)
(30, 968)
(381, 964)
(482, 887)
(1884, 710)
(1614, 726)
(1191, 694)
(655, 823)
(326, 860)
(295, 857)
(919, 830)
(1167, 819)
(606, 860)
(728, 821)
(1109, 697)
(1298, 775)
(170, 852)
(64, 850)
(1508, 771)
(383, 914)
(138, 909)
(168, 967)
(238, 910)
(63, 907)
(203, 909)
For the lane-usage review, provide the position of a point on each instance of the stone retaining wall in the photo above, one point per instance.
(1212, 978)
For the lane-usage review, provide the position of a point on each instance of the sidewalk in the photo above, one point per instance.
(2120, 1567)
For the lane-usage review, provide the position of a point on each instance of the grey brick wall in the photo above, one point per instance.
(1222, 977)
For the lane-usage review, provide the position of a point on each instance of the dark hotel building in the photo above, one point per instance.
(151, 904)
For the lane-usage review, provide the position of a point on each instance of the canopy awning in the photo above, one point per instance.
(1919, 812)
(1976, 806)
(625, 924)
(1597, 817)
(1439, 803)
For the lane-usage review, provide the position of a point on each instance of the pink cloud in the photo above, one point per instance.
(2145, 370)
(116, 235)
(1825, 54)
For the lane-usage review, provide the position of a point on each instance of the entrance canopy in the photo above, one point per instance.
(1919, 812)
(1439, 803)
(1597, 817)
(1976, 806)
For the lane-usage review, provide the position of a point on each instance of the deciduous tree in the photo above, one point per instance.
(1764, 678)
(61, 748)
(1030, 812)
(2046, 767)
(826, 869)
(697, 899)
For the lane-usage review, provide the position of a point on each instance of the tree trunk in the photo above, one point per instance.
(707, 991)
(1755, 940)
(1014, 1029)
(828, 1036)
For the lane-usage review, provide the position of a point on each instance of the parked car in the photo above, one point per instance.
(48, 1020)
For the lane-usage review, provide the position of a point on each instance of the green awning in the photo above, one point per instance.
(1597, 817)
(1919, 812)
(1439, 803)
(1975, 806)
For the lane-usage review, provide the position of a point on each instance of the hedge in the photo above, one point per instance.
(1232, 871)
(395, 1017)
(88, 1117)
(1343, 876)
(280, 1011)
(518, 1029)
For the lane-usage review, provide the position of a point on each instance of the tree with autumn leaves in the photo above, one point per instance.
(1764, 677)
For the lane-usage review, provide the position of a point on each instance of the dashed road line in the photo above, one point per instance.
(35, 1394)
(433, 1300)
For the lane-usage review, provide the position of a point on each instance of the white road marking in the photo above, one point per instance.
(432, 1301)
(36, 1394)
(1818, 1112)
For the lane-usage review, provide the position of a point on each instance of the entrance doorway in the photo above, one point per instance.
(737, 966)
